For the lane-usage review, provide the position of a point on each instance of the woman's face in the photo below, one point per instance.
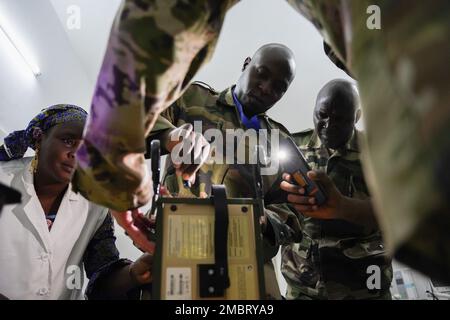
(58, 145)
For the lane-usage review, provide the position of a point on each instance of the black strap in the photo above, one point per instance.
(221, 232)
(155, 151)
(214, 278)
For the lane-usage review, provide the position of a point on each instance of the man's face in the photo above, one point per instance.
(57, 151)
(263, 82)
(334, 120)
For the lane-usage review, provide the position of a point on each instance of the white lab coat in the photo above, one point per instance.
(36, 263)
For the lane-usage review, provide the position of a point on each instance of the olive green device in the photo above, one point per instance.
(206, 248)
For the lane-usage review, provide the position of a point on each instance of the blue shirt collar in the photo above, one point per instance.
(253, 122)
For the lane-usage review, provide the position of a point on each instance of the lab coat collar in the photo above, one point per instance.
(35, 213)
(27, 178)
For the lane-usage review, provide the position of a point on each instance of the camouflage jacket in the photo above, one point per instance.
(201, 105)
(331, 261)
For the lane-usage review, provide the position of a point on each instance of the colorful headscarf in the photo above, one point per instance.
(16, 144)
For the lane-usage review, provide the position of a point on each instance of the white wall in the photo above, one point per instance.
(89, 41)
(36, 26)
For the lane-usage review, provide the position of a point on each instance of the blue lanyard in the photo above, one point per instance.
(253, 122)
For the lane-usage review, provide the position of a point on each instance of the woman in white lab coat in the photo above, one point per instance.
(47, 239)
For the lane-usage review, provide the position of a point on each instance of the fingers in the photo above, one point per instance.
(199, 143)
(296, 196)
(124, 219)
(302, 203)
(182, 132)
(144, 263)
(140, 240)
(263, 220)
(178, 142)
(184, 150)
(147, 259)
(142, 222)
(297, 199)
(190, 154)
(291, 188)
(142, 267)
(146, 277)
(199, 155)
(164, 192)
(287, 177)
(322, 177)
(137, 227)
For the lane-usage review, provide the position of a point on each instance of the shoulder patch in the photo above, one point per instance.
(204, 86)
(302, 138)
(279, 125)
(303, 133)
(198, 94)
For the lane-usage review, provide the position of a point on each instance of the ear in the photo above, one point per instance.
(358, 115)
(246, 63)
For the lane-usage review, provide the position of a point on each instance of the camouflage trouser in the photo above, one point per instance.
(293, 293)
(157, 46)
(335, 269)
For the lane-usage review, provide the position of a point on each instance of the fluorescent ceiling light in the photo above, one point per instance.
(34, 68)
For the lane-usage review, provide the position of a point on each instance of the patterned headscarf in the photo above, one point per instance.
(16, 144)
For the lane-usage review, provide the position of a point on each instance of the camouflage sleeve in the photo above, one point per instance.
(167, 120)
(162, 124)
(154, 50)
(282, 228)
(102, 249)
(159, 132)
(408, 48)
(172, 113)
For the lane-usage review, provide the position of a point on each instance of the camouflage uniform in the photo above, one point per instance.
(332, 259)
(216, 110)
(156, 46)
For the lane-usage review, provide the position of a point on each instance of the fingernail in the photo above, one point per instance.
(186, 184)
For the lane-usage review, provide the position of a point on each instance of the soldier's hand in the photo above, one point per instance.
(137, 227)
(141, 269)
(307, 205)
(188, 150)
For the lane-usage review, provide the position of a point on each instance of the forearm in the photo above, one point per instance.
(359, 211)
(119, 282)
(114, 281)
